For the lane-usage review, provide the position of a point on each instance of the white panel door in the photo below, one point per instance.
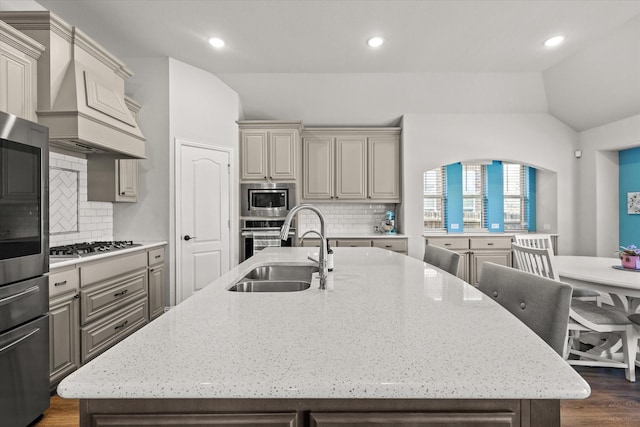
(204, 206)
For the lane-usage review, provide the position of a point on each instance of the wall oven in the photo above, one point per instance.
(256, 235)
(267, 199)
(24, 262)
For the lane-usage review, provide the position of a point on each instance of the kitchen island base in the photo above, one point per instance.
(319, 412)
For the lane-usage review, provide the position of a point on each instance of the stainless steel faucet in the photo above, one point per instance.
(322, 263)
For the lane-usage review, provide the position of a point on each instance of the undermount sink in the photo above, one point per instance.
(270, 286)
(276, 278)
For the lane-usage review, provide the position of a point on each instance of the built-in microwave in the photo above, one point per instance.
(267, 199)
(24, 199)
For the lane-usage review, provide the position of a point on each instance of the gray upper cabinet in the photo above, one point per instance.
(18, 72)
(351, 164)
(269, 150)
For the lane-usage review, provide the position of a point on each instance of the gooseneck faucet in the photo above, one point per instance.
(284, 232)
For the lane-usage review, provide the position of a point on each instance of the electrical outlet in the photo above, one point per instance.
(454, 226)
(547, 226)
(495, 226)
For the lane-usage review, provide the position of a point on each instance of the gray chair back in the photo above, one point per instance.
(540, 303)
(442, 258)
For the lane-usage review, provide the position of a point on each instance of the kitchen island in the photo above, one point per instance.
(392, 341)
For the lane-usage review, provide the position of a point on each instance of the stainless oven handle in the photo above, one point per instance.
(18, 341)
(25, 293)
(250, 233)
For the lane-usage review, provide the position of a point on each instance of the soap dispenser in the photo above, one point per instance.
(329, 257)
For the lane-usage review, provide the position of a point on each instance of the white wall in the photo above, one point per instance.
(178, 101)
(598, 190)
(539, 140)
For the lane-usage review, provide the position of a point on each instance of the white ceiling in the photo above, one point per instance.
(275, 39)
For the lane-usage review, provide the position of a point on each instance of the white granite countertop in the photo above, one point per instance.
(59, 262)
(347, 235)
(389, 326)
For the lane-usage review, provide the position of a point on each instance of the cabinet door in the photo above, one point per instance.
(282, 155)
(128, 178)
(64, 337)
(479, 258)
(384, 168)
(254, 155)
(351, 168)
(318, 168)
(16, 86)
(156, 286)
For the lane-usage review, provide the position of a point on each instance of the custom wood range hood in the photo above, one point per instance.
(80, 89)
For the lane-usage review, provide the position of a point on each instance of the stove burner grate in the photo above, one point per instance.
(85, 248)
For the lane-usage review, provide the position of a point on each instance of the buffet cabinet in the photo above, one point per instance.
(475, 251)
(95, 304)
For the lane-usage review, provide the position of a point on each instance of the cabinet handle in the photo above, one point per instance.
(447, 244)
(64, 282)
(489, 244)
(151, 270)
(119, 294)
(122, 325)
(158, 256)
(76, 296)
(122, 193)
(388, 246)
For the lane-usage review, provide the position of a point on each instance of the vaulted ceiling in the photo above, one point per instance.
(307, 59)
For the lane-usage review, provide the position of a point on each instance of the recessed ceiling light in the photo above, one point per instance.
(375, 41)
(216, 42)
(553, 41)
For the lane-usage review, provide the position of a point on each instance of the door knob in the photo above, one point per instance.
(187, 237)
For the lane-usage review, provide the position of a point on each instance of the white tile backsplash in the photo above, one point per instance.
(341, 218)
(94, 220)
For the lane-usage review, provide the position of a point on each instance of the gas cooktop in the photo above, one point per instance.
(90, 248)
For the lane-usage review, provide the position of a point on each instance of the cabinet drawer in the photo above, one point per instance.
(112, 267)
(315, 243)
(101, 335)
(490, 243)
(111, 295)
(355, 243)
(449, 242)
(156, 256)
(396, 245)
(63, 280)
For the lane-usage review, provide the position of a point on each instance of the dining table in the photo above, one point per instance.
(602, 274)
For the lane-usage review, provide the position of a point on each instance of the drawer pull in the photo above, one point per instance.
(490, 244)
(25, 293)
(64, 282)
(158, 256)
(18, 341)
(119, 294)
(122, 325)
(388, 246)
(447, 244)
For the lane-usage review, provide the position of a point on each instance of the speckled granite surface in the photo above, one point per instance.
(389, 326)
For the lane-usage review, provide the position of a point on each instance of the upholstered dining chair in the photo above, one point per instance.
(540, 303)
(442, 258)
(584, 317)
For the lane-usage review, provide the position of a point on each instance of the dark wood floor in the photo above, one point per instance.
(613, 402)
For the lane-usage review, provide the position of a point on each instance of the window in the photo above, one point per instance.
(515, 196)
(434, 198)
(473, 196)
(483, 196)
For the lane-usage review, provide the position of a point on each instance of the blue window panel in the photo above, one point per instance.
(531, 199)
(629, 182)
(495, 198)
(454, 198)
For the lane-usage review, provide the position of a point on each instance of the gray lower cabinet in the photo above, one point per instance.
(475, 252)
(221, 420)
(410, 419)
(64, 351)
(395, 244)
(156, 282)
(64, 319)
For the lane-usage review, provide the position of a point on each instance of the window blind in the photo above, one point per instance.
(515, 196)
(435, 199)
(473, 196)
